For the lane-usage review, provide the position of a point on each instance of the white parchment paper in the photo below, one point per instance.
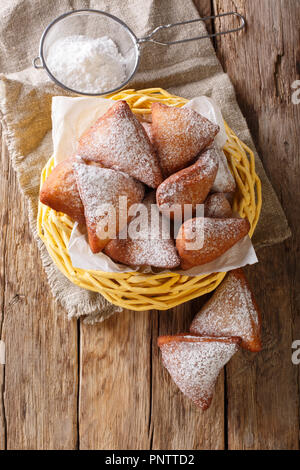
(70, 118)
(209, 109)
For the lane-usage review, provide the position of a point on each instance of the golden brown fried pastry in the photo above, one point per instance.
(179, 135)
(118, 140)
(219, 236)
(217, 206)
(188, 186)
(152, 249)
(231, 311)
(100, 189)
(60, 191)
(194, 363)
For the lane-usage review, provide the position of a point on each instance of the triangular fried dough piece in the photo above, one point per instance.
(100, 190)
(202, 240)
(194, 363)
(231, 311)
(119, 141)
(60, 191)
(179, 135)
(217, 206)
(154, 245)
(188, 186)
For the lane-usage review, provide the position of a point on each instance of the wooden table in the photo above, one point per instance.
(67, 385)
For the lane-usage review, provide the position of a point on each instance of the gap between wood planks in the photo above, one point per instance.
(151, 345)
(3, 422)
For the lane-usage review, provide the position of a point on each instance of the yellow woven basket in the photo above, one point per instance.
(138, 291)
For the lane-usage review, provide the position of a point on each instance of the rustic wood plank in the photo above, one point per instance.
(263, 405)
(40, 383)
(115, 384)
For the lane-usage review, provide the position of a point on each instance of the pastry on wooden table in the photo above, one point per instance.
(219, 236)
(217, 206)
(224, 182)
(179, 135)
(231, 311)
(153, 250)
(60, 191)
(99, 187)
(188, 186)
(194, 363)
(118, 140)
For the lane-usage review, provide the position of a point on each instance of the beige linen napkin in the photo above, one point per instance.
(188, 70)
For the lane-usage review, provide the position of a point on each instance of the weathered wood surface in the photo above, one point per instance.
(4, 212)
(115, 383)
(103, 387)
(263, 400)
(39, 391)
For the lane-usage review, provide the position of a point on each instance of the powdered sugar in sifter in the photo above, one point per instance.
(96, 23)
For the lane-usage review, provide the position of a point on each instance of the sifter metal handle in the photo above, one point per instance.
(172, 25)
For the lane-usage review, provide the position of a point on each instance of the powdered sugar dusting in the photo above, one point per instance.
(86, 64)
(153, 249)
(231, 311)
(195, 366)
(219, 236)
(119, 141)
(70, 189)
(99, 186)
(217, 206)
(179, 134)
(189, 186)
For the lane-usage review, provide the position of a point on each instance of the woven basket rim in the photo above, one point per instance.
(135, 290)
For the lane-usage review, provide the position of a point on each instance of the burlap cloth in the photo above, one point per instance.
(188, 70)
